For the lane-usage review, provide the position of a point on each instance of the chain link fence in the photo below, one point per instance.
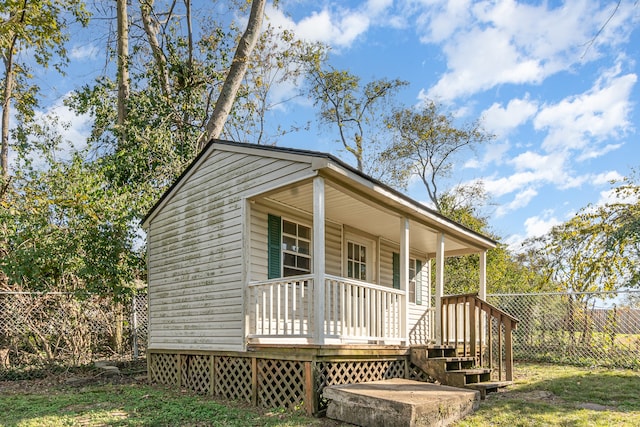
(39, 332)
(581, 328)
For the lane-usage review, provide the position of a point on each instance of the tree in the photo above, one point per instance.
(506, 272)
(596, 250)
(426, 143)
(123, 67)
(67, 232)
(277, 68)
(354, 109)
(238, 68)
(36, 28)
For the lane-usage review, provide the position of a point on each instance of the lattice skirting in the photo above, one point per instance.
(271, 382)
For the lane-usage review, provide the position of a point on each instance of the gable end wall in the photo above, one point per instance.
(195, 253)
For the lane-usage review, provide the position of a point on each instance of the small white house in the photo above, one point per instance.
(260, 248)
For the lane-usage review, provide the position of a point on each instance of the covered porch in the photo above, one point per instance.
(391, 296)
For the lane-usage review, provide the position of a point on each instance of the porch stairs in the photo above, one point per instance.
(443, 364)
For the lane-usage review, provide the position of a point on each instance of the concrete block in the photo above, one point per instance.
(399, 403)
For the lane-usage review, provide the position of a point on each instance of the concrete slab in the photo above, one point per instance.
(399, 403)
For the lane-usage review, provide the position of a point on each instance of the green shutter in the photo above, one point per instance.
(396, 270)
(274, 246)
(418, 282)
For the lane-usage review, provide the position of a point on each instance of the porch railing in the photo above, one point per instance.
(355, 311)
(282, 307)
(479, 329)
(361, 311)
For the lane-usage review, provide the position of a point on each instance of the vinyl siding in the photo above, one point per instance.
(195, 253)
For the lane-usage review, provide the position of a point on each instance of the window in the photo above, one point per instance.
(412, 280)
(415, 278)
(356, 261)
(296, 249)
(289, 248)
(359, 256)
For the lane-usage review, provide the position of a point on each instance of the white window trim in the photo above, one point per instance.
(282, 250)
(371, 244)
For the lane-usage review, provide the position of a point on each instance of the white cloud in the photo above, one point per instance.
(534, 226)
(578, 122)
(498, 187)
(521, 200)
(501, 120)
(492, 43)
(439, 20)
(73, 129)
(335, 28)
(495, 154)
(84, 52)
(541, 224)
(606, 178)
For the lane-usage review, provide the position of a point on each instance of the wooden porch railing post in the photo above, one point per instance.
(478, 315)
(473, 313)
(508, 350)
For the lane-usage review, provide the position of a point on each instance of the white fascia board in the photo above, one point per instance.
(410, 208)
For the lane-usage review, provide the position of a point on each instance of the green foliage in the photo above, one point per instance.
(66, 230)
(506, 272)
(32, 32)
(74, 225)
(355, 110)
(426, 143)
(597, 249)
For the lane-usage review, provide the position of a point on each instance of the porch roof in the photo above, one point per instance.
(352, 198)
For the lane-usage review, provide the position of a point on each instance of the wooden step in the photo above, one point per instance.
(452, 363)
(487, 387)
(441, 351)
(464, 377)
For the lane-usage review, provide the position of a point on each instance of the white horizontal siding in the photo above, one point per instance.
(195, 253)
(387, 249)
(333, 249)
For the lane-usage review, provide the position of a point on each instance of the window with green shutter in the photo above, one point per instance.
(289, 248)
(274, 234)
(396, 270)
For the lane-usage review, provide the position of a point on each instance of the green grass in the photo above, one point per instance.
(133, 405)
(543, 395)
(552, 395)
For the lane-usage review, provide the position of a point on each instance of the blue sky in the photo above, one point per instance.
(555, 85)
(556, 82)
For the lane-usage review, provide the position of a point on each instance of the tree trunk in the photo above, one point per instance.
(236, 74)
(123, 68)
(151, 30)
(6, 108)
(118, 329)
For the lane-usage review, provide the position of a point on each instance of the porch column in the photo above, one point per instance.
(482, 289)
(439, 285)
(404, 277)
(318, 258)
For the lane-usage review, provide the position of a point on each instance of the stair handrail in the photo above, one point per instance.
(474, 321)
